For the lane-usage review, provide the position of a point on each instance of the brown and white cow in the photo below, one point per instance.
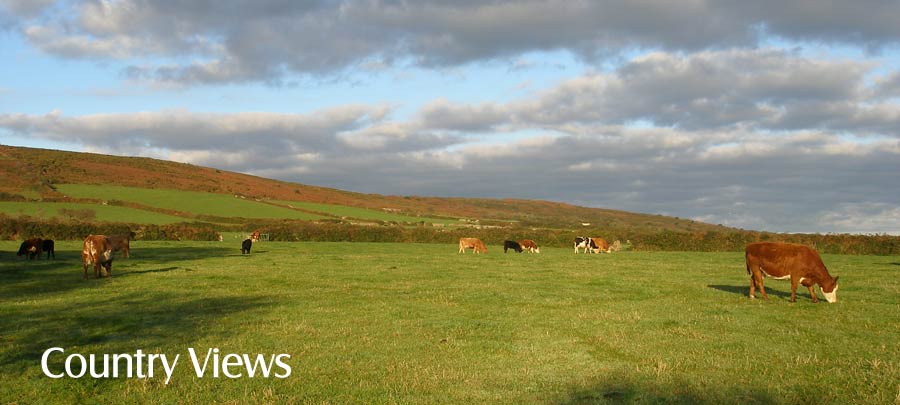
(781, 261)
(254, 236)
(30, 248)
(97, 252)
(530, 246)
(472, 243)
(599, 245)
(121, 243)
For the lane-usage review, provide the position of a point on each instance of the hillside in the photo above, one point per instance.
(33, 174)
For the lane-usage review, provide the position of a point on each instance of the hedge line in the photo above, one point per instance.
(25, 227)
(640, 240)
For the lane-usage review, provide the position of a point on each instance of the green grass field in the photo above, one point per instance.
(419, 323)
(198, 203)
(107, 213)
(362, 213)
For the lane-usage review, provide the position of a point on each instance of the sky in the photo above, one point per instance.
(770, 115)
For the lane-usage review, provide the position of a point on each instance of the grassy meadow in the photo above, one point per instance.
(105, 213)
(194, 202)
(362, 213)
(198, 203)
(419, 323)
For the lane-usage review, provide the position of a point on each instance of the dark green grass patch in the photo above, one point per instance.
(420, 323)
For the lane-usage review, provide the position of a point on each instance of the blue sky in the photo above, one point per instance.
(775, 115)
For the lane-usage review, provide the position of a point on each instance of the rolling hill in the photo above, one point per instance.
(50, 175)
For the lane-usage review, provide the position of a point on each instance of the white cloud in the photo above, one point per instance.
(263, 42)
(863, 218)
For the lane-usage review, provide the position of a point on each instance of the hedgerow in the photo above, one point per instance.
(17, 228)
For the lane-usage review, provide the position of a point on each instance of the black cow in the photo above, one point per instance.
(245, 246)
(511, 244)
(48, 246)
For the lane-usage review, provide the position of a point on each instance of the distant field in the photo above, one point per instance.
(106, 213)
(198, 203)
(362, 213)
(419, 323)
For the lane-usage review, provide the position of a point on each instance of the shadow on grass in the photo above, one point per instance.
(652, 392)
(92, 323)
(162, 270)
(745, 290)
(22, 277)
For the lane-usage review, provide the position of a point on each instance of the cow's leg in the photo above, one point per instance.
(752, 283)
(757, 275)
(96, 269)
(108, 266)
(85, 271)
(795, 281)
(812, 294)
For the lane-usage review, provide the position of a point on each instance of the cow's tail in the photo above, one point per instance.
(747, 263)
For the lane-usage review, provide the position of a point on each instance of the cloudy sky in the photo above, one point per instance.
(768, 115)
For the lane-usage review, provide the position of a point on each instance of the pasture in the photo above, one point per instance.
(106, 213)
(383, 323)
(222, 205)
(193, 202)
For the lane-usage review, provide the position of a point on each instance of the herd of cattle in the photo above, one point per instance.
(800, 264)
(97, 251)
(780, 261)
(588, 245)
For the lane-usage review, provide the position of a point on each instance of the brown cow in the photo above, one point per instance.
(121, 243)
(599, 245)
(472, 243)
(801, 264)
(530, 246)
(254, 237)
(30, 248)
(97, 252)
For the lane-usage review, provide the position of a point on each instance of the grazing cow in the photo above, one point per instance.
(97, 252)
(511, 244)
(48, 246)
(599, 245)
(245, 246)
(254, 236)
(475, 244)
(121, 243)
(582, 242)
(781, 261)
(530, 246)
(30, 248)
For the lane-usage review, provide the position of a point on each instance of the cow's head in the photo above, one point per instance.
(830, 291)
